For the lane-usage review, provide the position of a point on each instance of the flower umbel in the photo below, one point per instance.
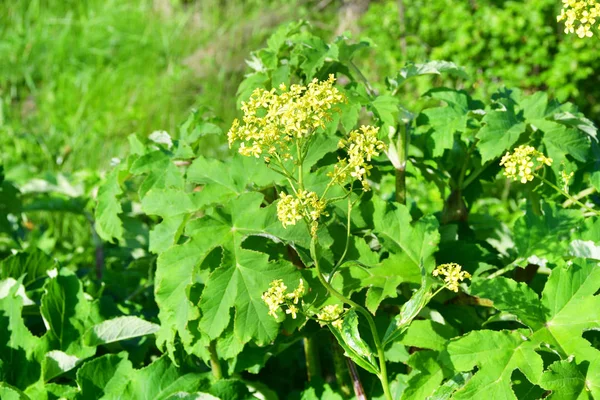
(361, 145)
(522, 162)
(453, 275)
(331, 314)
(305, 205)
(277, 296)
(275, 118)
(580, 16)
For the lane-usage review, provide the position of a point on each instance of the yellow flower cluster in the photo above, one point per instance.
(305, 205)
(273, 119)
(452, 274)
(277, 296)
(580, 13)
(520, 164)
(361, 145)
(331, 314)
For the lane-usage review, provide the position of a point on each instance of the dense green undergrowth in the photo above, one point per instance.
(407, 237)
(318, 250)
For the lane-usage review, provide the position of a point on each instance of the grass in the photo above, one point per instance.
(77, 77)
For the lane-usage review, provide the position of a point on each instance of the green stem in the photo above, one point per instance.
(402, 150)
(380, 351)
(463, 170)
(300, 162)
(363, 78)
(347, 235)
(567, 195)
(580, 195)
(215, 365)
(475, 174)
(313, 362)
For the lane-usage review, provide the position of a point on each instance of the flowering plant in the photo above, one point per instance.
(369, 246)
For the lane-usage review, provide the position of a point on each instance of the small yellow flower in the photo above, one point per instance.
(288, 210)
(453, 275)
(305, 205)
(274, 120)
(580, 16)
(361, 145)
(331, 314)
(277, 296)
(298, 293)
(519, 165)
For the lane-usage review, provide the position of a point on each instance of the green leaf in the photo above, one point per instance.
(501, 131)
(547, 235)
(57, 363)
(175, 207)
(314, 52)
(445, 391)
(230, 389)
(427, 334)
(429, 68)
(496, 355)
(449, 119)
(577, 121)
(572, 309)
(415, 243)
(512, 297)
(386, 108)
(320, 391)
(569, 308)
(112, 377)
(117, 329)
(68, 314)
(159, 170)
(159, 381)
(226, 180)
(33, 265)
(427, 375)
(569, 381)
(20, 350)
(104, 375)
(108, 225)
(239, 283)
(561, 141)
(584, 249)
(360, 351)
(8, 392)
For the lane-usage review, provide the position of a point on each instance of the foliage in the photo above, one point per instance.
(353, 242)
(499, 43)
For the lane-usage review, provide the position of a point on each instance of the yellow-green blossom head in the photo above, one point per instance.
(273, 119)
(305, 205)
(331, 314)
(522, 162)
(453, 275)
(361, 146)
(580, 16)
(277, 296)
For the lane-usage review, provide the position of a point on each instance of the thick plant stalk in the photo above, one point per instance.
(341, 368)
(313, 361)
(402, 150)
(359, 391)
(215, 364)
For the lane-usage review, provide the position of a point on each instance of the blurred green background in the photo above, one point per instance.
(77, 77)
